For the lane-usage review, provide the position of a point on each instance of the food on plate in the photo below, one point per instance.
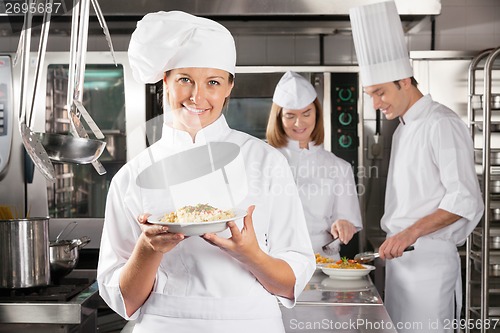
(345, 263)
(198, 213)
(322, 260)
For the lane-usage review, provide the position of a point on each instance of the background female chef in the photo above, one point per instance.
(433, 197)
(326, 183)
(226, 282)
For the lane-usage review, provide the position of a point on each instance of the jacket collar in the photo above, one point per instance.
(294, 146)
(417, 110)
(213, 132)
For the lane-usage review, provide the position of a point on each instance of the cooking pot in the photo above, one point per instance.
(64, 256)
(24, 252)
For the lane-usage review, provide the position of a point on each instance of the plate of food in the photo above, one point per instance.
(346, 269)
(321, 261)
(197, 220)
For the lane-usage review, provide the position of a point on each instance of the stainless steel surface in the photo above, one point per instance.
(6, 113)
(349, 318)
(494, 155)
(328, 305)
(64, 256)
(477, 102)
(68, 149)
(477, 238)
(69, 312)
(30, 141)
(493, 263)
(76, 110)
(487, 260)
(24, 252)
(263, 7)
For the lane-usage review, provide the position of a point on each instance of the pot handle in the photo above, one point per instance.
(80, 242)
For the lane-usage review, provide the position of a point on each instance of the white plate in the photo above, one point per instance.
(345, 285)
(347, 274)
(198, 228)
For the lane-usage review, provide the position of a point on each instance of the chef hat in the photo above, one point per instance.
(294, 92)
(169, 40)
(380, 43)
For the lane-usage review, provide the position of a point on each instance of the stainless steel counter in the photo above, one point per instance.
(79, 314)
(69, 312)
(328, 305)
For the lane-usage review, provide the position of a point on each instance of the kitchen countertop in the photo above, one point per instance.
(49, 312)
(328, 305)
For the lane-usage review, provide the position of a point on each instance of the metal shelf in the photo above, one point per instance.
(480, 120)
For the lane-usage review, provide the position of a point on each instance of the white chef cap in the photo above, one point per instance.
(294, 92)
(169, 40)
(380, 43)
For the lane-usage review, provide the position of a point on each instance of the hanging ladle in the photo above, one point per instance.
(31, 142)
(67, 148)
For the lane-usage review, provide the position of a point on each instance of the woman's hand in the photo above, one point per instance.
(243, 244)
(343, 229)
(157, 237)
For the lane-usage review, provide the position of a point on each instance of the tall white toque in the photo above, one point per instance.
(380, 43)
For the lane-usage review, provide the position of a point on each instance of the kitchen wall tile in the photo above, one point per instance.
(338, 49)
(421, 42)
(251, 50)
(450, 42)
(480, 20)
(306, 50)
(451, 3)
(280, 50)
(476, 41)
(451, 21)
(477, 3)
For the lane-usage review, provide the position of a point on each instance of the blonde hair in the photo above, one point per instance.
(275, 133)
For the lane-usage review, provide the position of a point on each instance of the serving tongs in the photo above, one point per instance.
(365, 257)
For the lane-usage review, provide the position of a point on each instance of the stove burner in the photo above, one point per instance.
(66, 289)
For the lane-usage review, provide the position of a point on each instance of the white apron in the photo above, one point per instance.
(424, 286)
(327, 190)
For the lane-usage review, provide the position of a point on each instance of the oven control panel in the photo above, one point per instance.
(6, 111)
(344, 117)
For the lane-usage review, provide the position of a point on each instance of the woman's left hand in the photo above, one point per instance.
(343, 229)
(242, 245)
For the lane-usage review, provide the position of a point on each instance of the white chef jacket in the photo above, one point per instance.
(199, 287)
(431, 167)
(327, 190)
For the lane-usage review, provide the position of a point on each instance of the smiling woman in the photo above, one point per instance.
(196, 96)
(156, 273)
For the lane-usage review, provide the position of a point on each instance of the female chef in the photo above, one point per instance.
(432, 198)
(227, 282)
(325, 182)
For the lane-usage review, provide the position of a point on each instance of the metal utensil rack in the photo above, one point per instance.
(479, 273)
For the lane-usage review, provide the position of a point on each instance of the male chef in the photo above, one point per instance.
(432, 198)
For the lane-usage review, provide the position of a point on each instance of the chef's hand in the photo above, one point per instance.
(157, 237)
(242, 245)
(343, 229)
(394, 246)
